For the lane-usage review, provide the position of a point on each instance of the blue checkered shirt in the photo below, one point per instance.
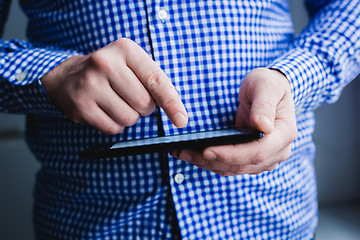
(206, 48)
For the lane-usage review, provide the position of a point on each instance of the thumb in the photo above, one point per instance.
(258, 112)
(262, 114)
(259, 97)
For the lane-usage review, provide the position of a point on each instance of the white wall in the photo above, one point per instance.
(337, 161)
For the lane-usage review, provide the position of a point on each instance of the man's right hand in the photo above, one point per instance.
(111, 87)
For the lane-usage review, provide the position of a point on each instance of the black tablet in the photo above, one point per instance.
(196, 140)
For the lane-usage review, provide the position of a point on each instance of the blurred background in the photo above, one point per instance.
(337, 162)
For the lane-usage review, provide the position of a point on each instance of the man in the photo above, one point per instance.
(94, 72)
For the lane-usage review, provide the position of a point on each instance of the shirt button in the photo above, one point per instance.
(179, 178)
(21, 76)
(162, 15)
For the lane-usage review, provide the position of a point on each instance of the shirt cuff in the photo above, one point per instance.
(307, 75)
(23, 66)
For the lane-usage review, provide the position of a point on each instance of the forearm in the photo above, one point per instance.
(325, 56)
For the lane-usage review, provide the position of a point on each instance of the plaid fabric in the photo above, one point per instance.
(206, 48)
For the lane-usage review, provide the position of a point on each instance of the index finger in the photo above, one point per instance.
(159, 85)
(254, 152)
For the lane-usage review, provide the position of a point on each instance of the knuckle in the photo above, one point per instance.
(271, 167)
(153, 80)
(205, 163)
(170, 105)
(220, 172)
(226, 157)
(129, 119)
(260, 158)
(124, 43)
(100, 64)
(225, 174)
(146, 105)
(89, 84)
(98, 59)
(229, 156)
(239, 170)
(125, 47)
(286, 154)
(112, 129)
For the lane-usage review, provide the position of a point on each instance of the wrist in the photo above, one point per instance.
(282, 77)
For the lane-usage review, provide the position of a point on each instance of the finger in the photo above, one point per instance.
(117, 108)
(224, 169)
(185, 155)
(111, 62)
(196, 158)
(128, 86)
(258, 170)
(191, 156)
(268, 165)
(255, 152)
(158, 85)
(218, 167)
(97, 118)
(271, 163)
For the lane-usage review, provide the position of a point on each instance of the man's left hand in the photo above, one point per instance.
(266, 104)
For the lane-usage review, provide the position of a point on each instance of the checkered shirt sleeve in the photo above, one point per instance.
(23, 64)
(325, 56)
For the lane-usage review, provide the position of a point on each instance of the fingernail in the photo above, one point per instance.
(210, 155)
(180, 120)
(185, 156)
